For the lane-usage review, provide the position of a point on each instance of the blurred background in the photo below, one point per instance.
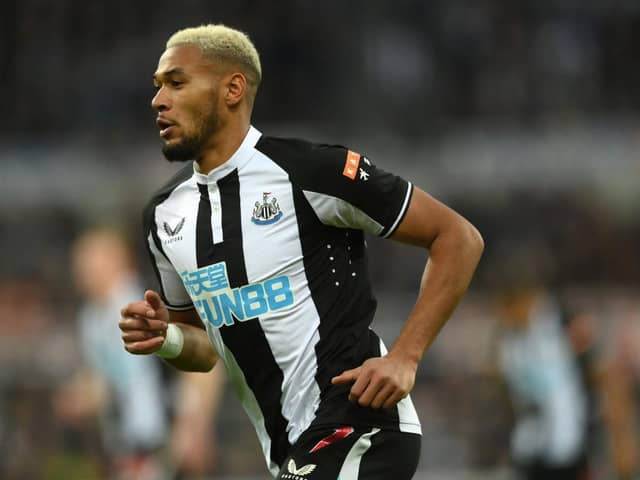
(523, 116)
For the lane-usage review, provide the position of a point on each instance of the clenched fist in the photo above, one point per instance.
(144, 324)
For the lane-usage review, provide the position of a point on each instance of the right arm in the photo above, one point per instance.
(144, 326)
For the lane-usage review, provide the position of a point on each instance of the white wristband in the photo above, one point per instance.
(173, 342)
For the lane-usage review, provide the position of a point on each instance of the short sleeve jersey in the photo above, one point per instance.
(269, 249)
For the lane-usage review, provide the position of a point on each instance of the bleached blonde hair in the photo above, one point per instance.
(221, 43)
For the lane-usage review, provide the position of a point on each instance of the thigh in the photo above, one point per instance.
(348, 453)
(392, 455)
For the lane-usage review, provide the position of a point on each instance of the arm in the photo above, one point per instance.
(455, 248)
(144, 326)
(193, 440)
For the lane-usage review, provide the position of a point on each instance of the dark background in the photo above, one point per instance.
(521, 115)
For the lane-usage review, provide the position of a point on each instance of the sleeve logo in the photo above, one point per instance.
(351, 165)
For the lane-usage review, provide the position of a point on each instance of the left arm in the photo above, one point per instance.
(455, 247)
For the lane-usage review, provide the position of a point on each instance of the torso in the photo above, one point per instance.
(285, 297)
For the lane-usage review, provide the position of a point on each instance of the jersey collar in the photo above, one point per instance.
(241, 156)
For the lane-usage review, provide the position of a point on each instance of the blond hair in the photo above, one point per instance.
(219, 42)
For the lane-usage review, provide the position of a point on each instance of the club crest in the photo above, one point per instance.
(267, 212)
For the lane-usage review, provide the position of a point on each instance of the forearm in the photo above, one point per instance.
(197, 355)
(452, 261)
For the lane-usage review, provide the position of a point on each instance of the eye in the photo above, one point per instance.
(176, 83)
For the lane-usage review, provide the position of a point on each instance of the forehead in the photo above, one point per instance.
(181, 57)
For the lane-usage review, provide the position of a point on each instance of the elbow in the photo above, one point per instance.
(471, 242)
(209, 362)
(476, 241)
(202, 361)
(460, 239)
(202, 367)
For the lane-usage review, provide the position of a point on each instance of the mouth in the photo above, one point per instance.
(165, 126)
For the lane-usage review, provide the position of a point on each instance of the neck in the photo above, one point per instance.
(223, 145)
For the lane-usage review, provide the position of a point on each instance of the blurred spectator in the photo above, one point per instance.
(537, 360)
(582, 334)
(123, 391)
(127, 394)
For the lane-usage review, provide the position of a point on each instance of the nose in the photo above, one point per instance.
(160, 101)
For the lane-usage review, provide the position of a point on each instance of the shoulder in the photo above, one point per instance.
(286, 147)
(304, 160)
(164, 191)
(182, 175)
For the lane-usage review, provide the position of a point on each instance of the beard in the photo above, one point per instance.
(190, 147)
(185, 150)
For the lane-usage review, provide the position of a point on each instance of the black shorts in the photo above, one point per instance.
(352, 453)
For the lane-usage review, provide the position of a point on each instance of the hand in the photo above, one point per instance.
(144, 324)
(379, 382)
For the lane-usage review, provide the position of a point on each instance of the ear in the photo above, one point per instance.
(236, 88)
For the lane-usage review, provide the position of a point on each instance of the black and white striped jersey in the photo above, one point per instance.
(269, 249)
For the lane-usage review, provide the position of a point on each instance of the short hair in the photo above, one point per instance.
(219, 42)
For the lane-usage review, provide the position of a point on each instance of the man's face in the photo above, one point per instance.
(186, 102)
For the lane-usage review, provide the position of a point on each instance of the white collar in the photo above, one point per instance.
(237, 160)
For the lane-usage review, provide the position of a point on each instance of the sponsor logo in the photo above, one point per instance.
(221, 305)
(351, 165)
(267, 212)
(172, 233)
(296, 473)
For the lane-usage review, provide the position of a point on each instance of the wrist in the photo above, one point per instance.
(407, 358)
(173, 342)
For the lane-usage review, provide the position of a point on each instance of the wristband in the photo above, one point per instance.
(173, 342)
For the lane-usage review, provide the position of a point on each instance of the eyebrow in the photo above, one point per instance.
(173, 71)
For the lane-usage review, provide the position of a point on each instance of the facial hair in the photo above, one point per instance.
(191, 146)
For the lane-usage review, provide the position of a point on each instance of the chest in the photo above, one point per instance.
(251, 225)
